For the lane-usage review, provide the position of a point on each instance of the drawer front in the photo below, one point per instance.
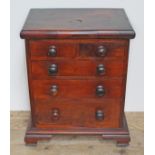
(103, 49)
(82, 113)
(47, 90)
(48, 69)
(97, 48)
(47, 49)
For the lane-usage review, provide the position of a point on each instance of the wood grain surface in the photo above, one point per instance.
(83, 23)
(78, 48)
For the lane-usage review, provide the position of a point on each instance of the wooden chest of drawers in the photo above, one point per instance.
(77, 68)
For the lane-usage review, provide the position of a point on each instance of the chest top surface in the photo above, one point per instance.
(70, 23)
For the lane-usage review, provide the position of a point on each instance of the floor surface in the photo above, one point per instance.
(76, 145)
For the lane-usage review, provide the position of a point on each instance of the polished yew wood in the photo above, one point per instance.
(72, 88)
(40, 48)
(77, 23)
(120, 135)
(78, 114)
(77, 67)
(79, 48)
(40, 69)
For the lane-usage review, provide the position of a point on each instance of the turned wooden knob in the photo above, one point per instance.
(101, 51)
(53, 69)
(100, 69)
(99, 114)
(52, 51)
(54, 90)
(100, 91)
(55, 114)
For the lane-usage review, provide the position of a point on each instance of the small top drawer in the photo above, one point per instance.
(103, 48)
(47, 49)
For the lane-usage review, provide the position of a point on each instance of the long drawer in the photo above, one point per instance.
(78, 114)
(50, 89)
(48, 69)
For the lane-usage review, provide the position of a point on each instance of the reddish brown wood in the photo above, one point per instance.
(120, 135)
(40, 48)
(68, 102)
(115, 48)
(74, 67)
(79, 48)
(29, 74)
(78, 113)
(32, 139)
(124, 141)
(77, 88)
(77, 23)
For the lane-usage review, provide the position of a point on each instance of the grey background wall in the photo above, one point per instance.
(19, 10)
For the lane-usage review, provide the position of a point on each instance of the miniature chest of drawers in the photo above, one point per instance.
(77, 67)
